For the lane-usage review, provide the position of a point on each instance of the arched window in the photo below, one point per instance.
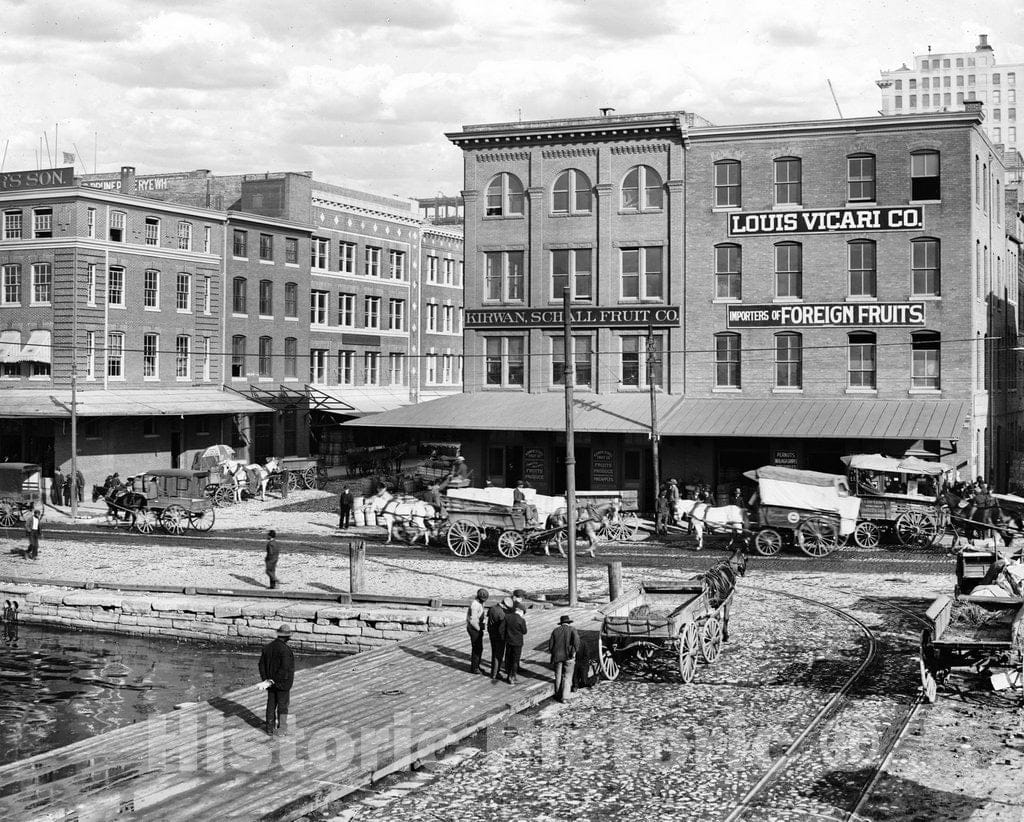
(238, 299)
(571, 193)
(863, 360)
(926, 365)
(860, 178)
(789, 359)
(727, 360)
(789, 270)
(926, 266)
(642, 190)
(788, 181)
(861, 254)
(924, 176)
(728, 184)
(504, 196)
(266, 356)
(728, 271)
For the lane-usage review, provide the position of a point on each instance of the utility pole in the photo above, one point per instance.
(74, 387)
(652, 356)
(570, 449)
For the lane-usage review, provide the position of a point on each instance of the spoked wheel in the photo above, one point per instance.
(202, 520)
(711, 640)
(511, 544)
(609, 667)
(464, 538)
(8, 513)
(819, 537)
(916, 529)
(623, 529)
(309, 477)
(768, 542)
(688, 644)
(224, 496)
(145, 521)
(929, 686)
(174, 520)
(294, 480)
(867, 535)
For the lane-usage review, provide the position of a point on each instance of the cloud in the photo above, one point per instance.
(791, 35)
(104, 21)
(614, 19)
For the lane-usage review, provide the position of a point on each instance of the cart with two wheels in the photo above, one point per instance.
(20, 489)
(297, 473)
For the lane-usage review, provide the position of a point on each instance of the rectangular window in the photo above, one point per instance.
(571, 268)
(207, 295)
(184, 236)
(926, 267)
(449, 272)
(318, 365)
(898, 102)
(788, 188)
(291, 358)
(319, 253)
(115, 355)
(641, 361)
(318, 302)
(396, 261)
(863, 363)
(371, 312)
(90, 355)
(152, 235)
(291, 251)
(90, 222)
(183, 291)
(239, 243)
(788, 361)
(182, 357)
(207, 239)
(267, 247)
(396, 368)
(12, 225)
(151, 288)
(396, 315)
(727, 184)
(149, 354)
(504, 361)
(924, 176)
(432, 317)
(430, 369)
(432, 269)
(11, 285)
(789, 270)
(347, 310)
(118, 220)
(291, 300)
(346, 367)
(448, 319)
(115, 287)
(912, 101)
(266, 298)
(860, 179)
(238, 357)
(371, 368)
(347, 257)
(727, 361)
(503, 276)
(728, 272)
(641, 277)
(862, 269)
(206, 359)
(372, 261)
(93, 286)
(42, 223)
(42, 283)
(925, 369)
(238, 295)
(582, 357)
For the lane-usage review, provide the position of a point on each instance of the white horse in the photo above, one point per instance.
(730, 519)
(238, 472)
(407, 513)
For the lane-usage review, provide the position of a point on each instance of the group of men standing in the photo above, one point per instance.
(61, 489)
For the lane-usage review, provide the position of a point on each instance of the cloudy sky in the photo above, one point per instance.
(362, 91)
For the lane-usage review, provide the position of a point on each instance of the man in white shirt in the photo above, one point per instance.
(475, 616)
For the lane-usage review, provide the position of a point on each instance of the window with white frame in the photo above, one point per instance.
(115, 355)
(789, 276)
(183, 291)
(182, 357)
(788, 181)
(371, 312)
(505, 361)
(504, 276)
(318, 311)
(642, 274)
(93, 285)
(371, 368)
(184, 235)
(788, 360)
(266, 298)
(90, 222)
(11, 293)
(396, 368)
(116, 231)
(347, 310)
(115, 287)
(239, 287)
(727, 360)
(238, 357)
(432, 317)
(151, 288)
(863, 274)
(90, 355)
(319, 253)
(396, 315)
(925, 180)
(640, 360)
(42, 283)
(206, 359)
(346, 257)
(860, 178)
(372, 260)
(728, 184)
(152, 231)
(449, 272)
(571, 268)
(396, 262)
(318, 366)
(571, 193)
(150, 352)
(291, 358)
(863, 360)
(12, 225)
(728, 271)
(926, 365)
(207, 294)
(504, 197)
(42, 223)
(239, 243)
(430, 369)
(207, 239)
(642, 190)
(926, 267)
(461, 276)
(291, 300)
(291, 251)
(265, 357)
(582, 357)
(267, 248)
(431, 269)
(449, 374)
(448, 319)
(346, 367)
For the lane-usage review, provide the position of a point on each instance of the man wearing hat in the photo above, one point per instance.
(673, 499)
(277, 667)
(34, 529)
(496, 633)
(515, 633)
(458, 477)
(475, 619)
(563, 645)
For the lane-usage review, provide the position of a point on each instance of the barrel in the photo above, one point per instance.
(357, 516)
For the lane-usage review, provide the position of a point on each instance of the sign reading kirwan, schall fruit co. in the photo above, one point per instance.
(596, 317)
(825, 221)
(824, 315)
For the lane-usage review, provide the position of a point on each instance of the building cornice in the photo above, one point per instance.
(100, 246)
(112, 198)
(363, 210)
(659, 125)
(259, 219)
(934, 120)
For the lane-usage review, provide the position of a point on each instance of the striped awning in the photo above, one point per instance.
(37, 349)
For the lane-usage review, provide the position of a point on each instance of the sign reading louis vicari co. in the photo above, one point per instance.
(37, 178)
(824, 315)
(824, 221)
(624, 316)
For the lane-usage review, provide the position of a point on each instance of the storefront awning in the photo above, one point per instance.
(683, 417)
(153, 402)
(37, 349)
(10, 346)
(355, 402)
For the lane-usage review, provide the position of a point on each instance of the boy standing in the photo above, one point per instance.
(270, 560)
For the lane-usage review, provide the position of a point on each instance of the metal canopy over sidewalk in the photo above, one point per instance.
(184, 401)
(682, 417)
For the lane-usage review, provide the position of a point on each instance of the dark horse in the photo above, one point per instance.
(120, 502)
(978, 522)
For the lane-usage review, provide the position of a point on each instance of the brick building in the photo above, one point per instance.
(796, 292)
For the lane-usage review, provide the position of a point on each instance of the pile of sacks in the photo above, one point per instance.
(1005, 579)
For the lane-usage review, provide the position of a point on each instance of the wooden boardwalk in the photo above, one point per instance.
(353, 721)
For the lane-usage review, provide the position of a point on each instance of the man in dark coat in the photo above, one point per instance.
(515, 633)
(563, 645)
(495, 633)
(270, 558)
(344, 507)
(57, 488)
(80, 482)
(277, 667)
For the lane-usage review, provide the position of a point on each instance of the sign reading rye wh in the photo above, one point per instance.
(824, 315)
(37, 178)
(659, 315)
(826, 220)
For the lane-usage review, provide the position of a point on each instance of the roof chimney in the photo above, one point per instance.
(983, 43)
(975, 106)
(128, 185)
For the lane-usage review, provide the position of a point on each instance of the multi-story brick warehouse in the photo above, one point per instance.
(807, 289)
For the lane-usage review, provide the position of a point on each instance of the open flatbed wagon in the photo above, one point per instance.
(297, 473)
(20, 489)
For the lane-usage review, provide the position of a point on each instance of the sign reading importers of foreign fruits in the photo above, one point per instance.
(824, 315)
(825, 221)
(596, 317)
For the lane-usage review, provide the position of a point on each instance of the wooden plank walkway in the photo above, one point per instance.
(353, 721)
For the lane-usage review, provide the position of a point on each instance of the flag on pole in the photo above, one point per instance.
(69, 157)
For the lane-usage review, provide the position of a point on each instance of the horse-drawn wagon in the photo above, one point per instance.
(20, 489)
(901, 497)
(297, 472)
(175, 499)
(680, 621)
(810, 509)
(438, 463)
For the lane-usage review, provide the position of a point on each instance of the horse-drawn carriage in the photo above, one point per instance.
(383, 460)
(899, 497)
(810, 509)
(20, 489)
(175, 499)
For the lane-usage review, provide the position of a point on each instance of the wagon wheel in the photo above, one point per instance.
(224, 497)
(929, 687)
(916, 528)
(867, 534)
(511, 544)
(174, 520)
(819, 537)
(145, 521)
(202, 520)
(294, 480)
(309, 477)
(463, 538)
(8, 513)
(609, 667)
(623, 529)
(768, 542)
(711, 640)
(688, 644)
(210, 492)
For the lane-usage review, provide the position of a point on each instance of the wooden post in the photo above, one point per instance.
(356, 565)
(614, 579)
(570, 448)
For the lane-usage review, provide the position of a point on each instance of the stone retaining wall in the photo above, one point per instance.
(317, 626)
